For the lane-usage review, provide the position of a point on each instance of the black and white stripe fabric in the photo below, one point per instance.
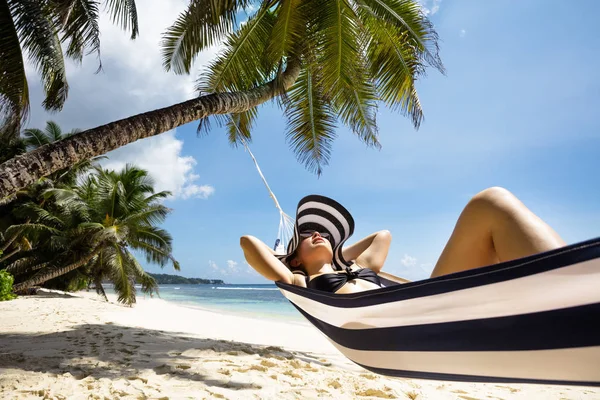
(531, 320)
(320, 213)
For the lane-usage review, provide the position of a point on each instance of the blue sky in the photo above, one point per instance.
(517, 108)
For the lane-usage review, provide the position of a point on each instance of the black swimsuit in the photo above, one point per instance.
(333, 282)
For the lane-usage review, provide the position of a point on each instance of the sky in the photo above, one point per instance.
(517, 108)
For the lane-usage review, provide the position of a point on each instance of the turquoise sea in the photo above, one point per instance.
(262, 301)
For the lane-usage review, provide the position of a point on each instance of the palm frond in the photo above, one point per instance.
(14, 91)
(157, 237)
(22, 265)
(311, 121)
(354, 94)
(288, 30)
(395, 65)
(39, 214)
(150, 215)
(240, 125)
(34, 138)
(117, 264)
(242, 64)
(43, 46)
(79, 24)
(124, 13)
(408, 16)
(157, 197)
(203, 24)
(148, 283)
(345, 77)
(34, 229)
(53, 131)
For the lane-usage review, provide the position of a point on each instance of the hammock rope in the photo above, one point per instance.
(286, 223)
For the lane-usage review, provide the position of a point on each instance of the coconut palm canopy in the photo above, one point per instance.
(352, 54)
(38, 29)
(326, 61)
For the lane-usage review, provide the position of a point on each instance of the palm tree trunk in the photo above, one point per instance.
(12, 253)
(12, 239)
(23, 170)
(47, 274)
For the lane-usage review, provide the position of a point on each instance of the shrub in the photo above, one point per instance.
(6, 282)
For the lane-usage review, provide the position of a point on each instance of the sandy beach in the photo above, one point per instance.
(58, 346)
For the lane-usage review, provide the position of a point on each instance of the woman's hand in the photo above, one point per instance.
(371, 251)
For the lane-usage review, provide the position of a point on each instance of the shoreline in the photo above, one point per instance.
(57, 346)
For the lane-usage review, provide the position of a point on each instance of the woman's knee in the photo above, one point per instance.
(495, 196)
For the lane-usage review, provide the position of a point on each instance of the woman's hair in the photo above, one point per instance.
(298, 269)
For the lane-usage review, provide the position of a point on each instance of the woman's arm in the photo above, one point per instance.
(262, 258)
(371, 251)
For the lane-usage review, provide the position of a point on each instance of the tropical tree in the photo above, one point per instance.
(324, 60)
(35, 138)
(39, 28)
(94, 227)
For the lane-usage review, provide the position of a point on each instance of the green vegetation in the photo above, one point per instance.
(166, 279)
(6, 281)
(326, 62)
(78, 227)
(39, 29)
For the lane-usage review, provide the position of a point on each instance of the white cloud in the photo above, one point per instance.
(232, 265)
(132, 81)
(462, 33)
(161, 157)
(408, 261)
(430, 6)
(213, 265)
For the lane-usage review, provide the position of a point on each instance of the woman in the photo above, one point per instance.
(493, 227)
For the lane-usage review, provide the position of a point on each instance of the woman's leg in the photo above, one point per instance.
(495, 226)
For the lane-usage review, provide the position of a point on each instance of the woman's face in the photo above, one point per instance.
(314, 248)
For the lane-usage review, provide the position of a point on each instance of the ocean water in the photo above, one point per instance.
(258, 301)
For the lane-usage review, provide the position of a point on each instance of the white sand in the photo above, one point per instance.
(63, 347)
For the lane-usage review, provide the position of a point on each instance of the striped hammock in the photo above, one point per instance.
(531, 320)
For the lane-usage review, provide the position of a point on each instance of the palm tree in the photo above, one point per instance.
(35, 138)
(325, 60)
(38, 28)
(94, 227)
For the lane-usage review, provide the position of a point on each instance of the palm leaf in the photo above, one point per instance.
(394, 64)
(408, 16)
(241, 65)
(347, 78)
(79, 26)
(155, 254)
(203, 24)
(124, 13)
(34, 138)
(150, 215)
(311, 121)
(137, 271)
(33, 229)
(288, 29)
(39, 38)
(14, 92)
(53, 131)
(118, 266)
(239, 126)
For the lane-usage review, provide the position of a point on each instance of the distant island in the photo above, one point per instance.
(166, 279)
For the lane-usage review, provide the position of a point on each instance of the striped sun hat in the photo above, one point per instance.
(322, 214)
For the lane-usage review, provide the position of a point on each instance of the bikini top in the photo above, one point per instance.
(332, 282)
